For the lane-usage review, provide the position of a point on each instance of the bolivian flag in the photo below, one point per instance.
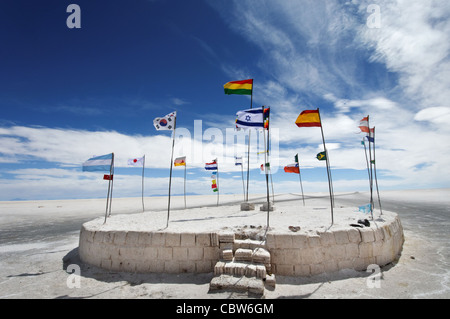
(243, 87)
(308, 118)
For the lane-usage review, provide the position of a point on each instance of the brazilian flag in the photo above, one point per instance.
(322, 156)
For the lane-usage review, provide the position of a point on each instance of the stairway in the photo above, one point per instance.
(244, 266)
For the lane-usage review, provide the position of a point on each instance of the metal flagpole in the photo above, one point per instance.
(371, 172)
(328, 169)
(267, 179)
(243, 186)
(109, 187)
(248, 151)
(112, 184)
(217, 181)
(171, 164)
(143, 166)
(375, 170)
(184, 184)
(300, 177)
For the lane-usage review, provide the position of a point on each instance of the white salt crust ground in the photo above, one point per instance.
(289, 211)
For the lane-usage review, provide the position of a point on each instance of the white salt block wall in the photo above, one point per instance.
(292, 254)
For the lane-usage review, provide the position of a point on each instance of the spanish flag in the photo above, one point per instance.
(243, 87)
(180, 161)
(308, 118)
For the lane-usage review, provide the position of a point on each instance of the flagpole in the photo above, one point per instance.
(171, 164)
(328, 169)
(266, 171)
(375, 170)
(371, 172)
(143, 167)
(248, 150)
(300, 178)
(217, 182)
(185, 185)
(243, 185)
(109, 188)
(112, 184)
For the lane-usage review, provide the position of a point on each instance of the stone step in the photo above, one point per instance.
(249, 243)
(251, 285)
(236, 268)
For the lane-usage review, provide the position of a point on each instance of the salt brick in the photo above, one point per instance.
(145, 239)
(351, 250)
(120, 237)
(203, 266)
(327, 238)
(158, 239)
(341, 237)
(243, 254)
(313, 241)
(299, 241)
(270, 240)
(226, 237)
(172, 239)
(187, 239)
(132, 238)
(203, 239)
(211, 253)
(180, 253)
(150, 253)
(171, 267)
(187, 267)
(283, 241)
(354, 235)
(195, 253)
(165, 253)
(367, 235)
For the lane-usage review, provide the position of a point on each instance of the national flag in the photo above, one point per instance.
(214, 185)
(98, 163)
(262, 166)
(211, 166)
(180, 161)
(296, 158)
(250, 119)
(139, 161)
(166, 122)
(322, 156)
(238, 160)
(108, 177)
(371, 135)
(308, 118)
(292, 168)
(266, 116)
(243, 87)
(213, 175)
(364, 124)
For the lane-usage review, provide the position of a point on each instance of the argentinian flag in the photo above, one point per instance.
(98, 163)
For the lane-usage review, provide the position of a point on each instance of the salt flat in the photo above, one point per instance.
(39, 240)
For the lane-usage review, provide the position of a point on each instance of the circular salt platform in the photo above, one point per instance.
(300, 239)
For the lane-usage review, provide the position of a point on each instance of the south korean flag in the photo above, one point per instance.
(165, 123)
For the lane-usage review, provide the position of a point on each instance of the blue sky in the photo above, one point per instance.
(69, 94)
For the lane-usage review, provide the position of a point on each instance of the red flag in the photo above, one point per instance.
(364, 124)
(108, 177)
